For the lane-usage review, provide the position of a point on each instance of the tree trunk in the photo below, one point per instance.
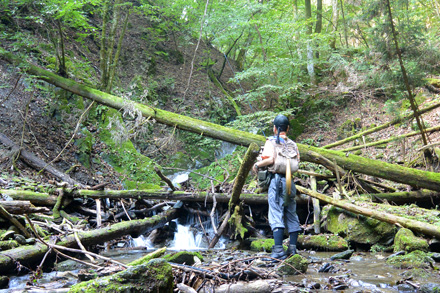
(335, 16)
(36, 198)
(413, 177)
(19, 207)
(30, 255)
(413, 225)
(37, 163)
(404, 197)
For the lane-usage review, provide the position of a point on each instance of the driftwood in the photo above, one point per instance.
(37, 163)
(416, 226)
(413, 177)
(30, 255)
(19, 207)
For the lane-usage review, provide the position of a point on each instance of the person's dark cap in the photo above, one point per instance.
(281, 122)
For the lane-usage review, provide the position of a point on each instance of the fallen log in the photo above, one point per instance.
(380, 127)
(415, 226)
(403, 197)
(31, 254)
(36, 198)
(383, 141)
(36, 162)
(413, 177)
(19, 207)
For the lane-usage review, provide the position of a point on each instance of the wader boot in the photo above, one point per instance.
(278, 252)
(291, 250)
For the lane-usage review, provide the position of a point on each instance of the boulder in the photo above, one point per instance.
(184, 257)
(294, 265)
(358, 228)
(155, 276)
(415, 259)
(405, 240)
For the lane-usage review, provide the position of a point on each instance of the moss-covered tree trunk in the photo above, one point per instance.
(416, 226)
(413, 177)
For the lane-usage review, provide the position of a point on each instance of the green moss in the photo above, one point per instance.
(358, 228)
(415, 259)
(294, 265)
(405, 240)
(262, 245)
(155, 276)
(138, 169)
(327, 242)
(183, 257)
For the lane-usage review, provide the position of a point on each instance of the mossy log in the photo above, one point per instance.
(19, 207)
(36, 198)
(413, 177)
(406, 196)
(31, 254)
(36, 162)
(416, 226)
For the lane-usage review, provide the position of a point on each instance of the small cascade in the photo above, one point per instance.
(141, 241)
(226, 148)
(190, 235)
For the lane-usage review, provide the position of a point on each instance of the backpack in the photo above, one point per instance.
(284, 152)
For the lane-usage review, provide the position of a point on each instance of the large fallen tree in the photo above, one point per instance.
(416, 226)
(32, 254)
(413, 177)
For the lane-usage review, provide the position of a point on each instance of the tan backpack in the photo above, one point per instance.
(285, 152)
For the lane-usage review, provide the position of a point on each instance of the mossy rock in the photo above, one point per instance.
(415, 259)
(359, 229)
(434, 82)
(155, 276)
(405, 240)
(294, 265)
(183, 257)
(325, 242)
(264, 245)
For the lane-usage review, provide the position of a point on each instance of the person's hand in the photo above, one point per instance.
(255, 168)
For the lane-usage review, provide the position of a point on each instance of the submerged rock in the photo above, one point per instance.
(343, 255)
(155, 276)
(294, 265)
(429, 288)
(407, 241)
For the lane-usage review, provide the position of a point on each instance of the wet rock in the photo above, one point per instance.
(405, 240)
(396, 254)
(326, 268)
(20, 239)
(436, 257)
(299, 264)
(155, 276)
(326, 242)
(343, 255)
(359, 229)
(415, 259)
(429, 288)
(183, 257)
(4, 282)
(259, 286)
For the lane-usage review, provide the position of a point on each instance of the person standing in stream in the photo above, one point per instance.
(282, 207)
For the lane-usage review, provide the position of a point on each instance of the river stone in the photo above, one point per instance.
(358, 228)
(184, 257)
(436, 257)
(342, 255)
(155, 276)
(415, 259)
(259, 286)
(405, 240)
(298, 262)
(4, 282)
(429, 288)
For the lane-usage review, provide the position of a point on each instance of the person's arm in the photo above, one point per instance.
(267, 157)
